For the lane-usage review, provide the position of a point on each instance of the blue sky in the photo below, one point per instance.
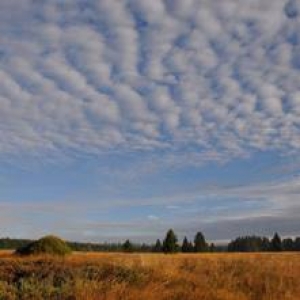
(121, 119)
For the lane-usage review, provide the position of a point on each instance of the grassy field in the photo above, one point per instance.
(151, 276)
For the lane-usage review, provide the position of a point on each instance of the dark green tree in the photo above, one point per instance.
(158, 246)
(249, 244)
(170, 243)
(184, 247)
(187, 246)
(297, 244)
(212, 247)
(191, 246)
(200, 244)
(288, 244)
(276, 244)
(127, 246)
(265, 244)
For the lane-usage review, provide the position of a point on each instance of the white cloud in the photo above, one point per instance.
(221, 212)
(153, 218)
(218, 78)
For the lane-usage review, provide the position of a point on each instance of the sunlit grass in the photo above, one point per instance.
(267, 276)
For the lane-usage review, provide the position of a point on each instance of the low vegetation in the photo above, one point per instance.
(100, 276)
(50, 245)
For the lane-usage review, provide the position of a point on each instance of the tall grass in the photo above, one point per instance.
(152, 276)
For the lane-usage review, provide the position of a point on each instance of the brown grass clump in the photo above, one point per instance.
(97, 276)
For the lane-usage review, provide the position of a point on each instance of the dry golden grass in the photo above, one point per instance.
(92, 276)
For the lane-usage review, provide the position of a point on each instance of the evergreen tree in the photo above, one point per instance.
(158, 246)
(249, 244)
(186, 246)
(265, 244)
(170, 242)
(200, 244)
(212, 247)
(276, 244)
(297, 244)
(191, 247)
(288, 244)
(127, 246)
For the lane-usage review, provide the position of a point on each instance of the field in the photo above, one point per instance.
(151, 276)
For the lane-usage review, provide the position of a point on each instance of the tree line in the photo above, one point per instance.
(260, 244)
(240, 244)
(170, 244)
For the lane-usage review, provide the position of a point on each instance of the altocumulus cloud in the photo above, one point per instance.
(181, 82)
(216, 80)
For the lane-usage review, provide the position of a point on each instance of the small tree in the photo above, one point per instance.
(157, 247)
(200, 244)
(127, 246)
(212, 247)
(170, 244)
(186, 246)
(276, 244)
(265, 244)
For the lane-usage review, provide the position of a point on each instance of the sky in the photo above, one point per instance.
(124, 118)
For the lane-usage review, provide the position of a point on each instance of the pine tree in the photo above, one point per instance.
(127, 246)
(170, 242)
(191, 247)
(265, 244)
(297, 244)
(212, 247)
(200, 244)
(288, 244)
(276, 244)
(186, 246)
(158, 246)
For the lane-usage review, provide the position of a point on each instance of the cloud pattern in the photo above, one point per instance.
(214, 80)
(162, 82)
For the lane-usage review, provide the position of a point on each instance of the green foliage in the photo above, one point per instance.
(297, 244)
(212, 247)
(200, 244)
(107, 247)
(127, 246)
(8, 243)
(265, 244)
(184, 247)
(240, 244)
(276, 244)
(288, 244)
(47, 245)
(170, 244)
(249, 244)
(158, 246)
(187, 246)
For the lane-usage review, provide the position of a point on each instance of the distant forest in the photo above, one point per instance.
(170, 244)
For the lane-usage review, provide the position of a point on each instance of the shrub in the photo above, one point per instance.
(47, 245)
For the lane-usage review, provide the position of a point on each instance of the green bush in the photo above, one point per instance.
(47, 245)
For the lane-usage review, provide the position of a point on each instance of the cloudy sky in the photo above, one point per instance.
(123, 118)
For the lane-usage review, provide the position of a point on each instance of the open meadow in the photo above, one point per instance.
(91, 276)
